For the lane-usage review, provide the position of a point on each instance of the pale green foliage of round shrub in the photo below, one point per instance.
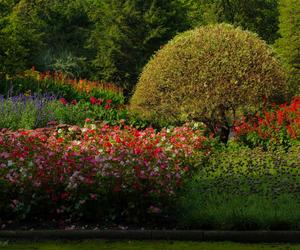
(208, 74)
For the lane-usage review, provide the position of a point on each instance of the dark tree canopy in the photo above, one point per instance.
(260, 16)
(128, 32)
(288, 45)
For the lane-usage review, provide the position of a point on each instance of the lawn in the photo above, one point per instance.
(135, 245)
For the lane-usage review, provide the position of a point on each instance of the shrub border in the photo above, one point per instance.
(177, 235)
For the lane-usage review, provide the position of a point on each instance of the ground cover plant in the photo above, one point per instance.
(240, 188)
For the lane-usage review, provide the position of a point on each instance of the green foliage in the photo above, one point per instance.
(24, 113)
(208, 74)
(126, 34)
(288, 45)
(41, 33)
(77, 114)
(259, 16)
(12, 51)
(17, 113)
(241, 188)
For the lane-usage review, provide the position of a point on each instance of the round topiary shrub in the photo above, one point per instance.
(208, 74)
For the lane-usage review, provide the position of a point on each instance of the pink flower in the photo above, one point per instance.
(5, 155)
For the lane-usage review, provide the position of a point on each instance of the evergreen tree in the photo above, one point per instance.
(11, 51)
(260, 16)
(288, 45)
(51, 34)
(128, 32)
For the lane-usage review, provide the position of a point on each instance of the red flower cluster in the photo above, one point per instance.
(99, 102)
(283, 120)
(65, 102)
(81, 85)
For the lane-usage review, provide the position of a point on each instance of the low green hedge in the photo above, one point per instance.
(242, 188)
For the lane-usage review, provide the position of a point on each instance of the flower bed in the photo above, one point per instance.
(32, 81)
(94, 173)
(279, 126)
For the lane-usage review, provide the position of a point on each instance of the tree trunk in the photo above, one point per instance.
(225, 129)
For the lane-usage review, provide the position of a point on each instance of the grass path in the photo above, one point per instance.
(135, 245)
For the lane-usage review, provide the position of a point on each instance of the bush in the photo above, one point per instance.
(242, 188)
(208, 74)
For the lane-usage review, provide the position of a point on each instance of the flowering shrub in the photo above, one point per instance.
(280, 125)
(97, 109)
(36, 82)
(34, 111)
(94, 173)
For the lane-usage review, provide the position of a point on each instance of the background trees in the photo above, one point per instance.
(128, 32)
(112, 40)
(53, 33)
(260, 16)
(288, 45)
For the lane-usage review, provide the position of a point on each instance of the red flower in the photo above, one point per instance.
(74, 102)
(280, 117)
(63, 101)
(93, 100)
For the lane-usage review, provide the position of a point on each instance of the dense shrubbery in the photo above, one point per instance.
(208, 74)
(102, 173)
(242, 188)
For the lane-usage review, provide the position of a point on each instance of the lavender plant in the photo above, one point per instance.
(26, 111)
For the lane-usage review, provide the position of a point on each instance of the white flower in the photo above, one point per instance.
(84, 130)
(10, 163)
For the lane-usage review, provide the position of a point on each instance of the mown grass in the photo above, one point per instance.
(147, 245)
